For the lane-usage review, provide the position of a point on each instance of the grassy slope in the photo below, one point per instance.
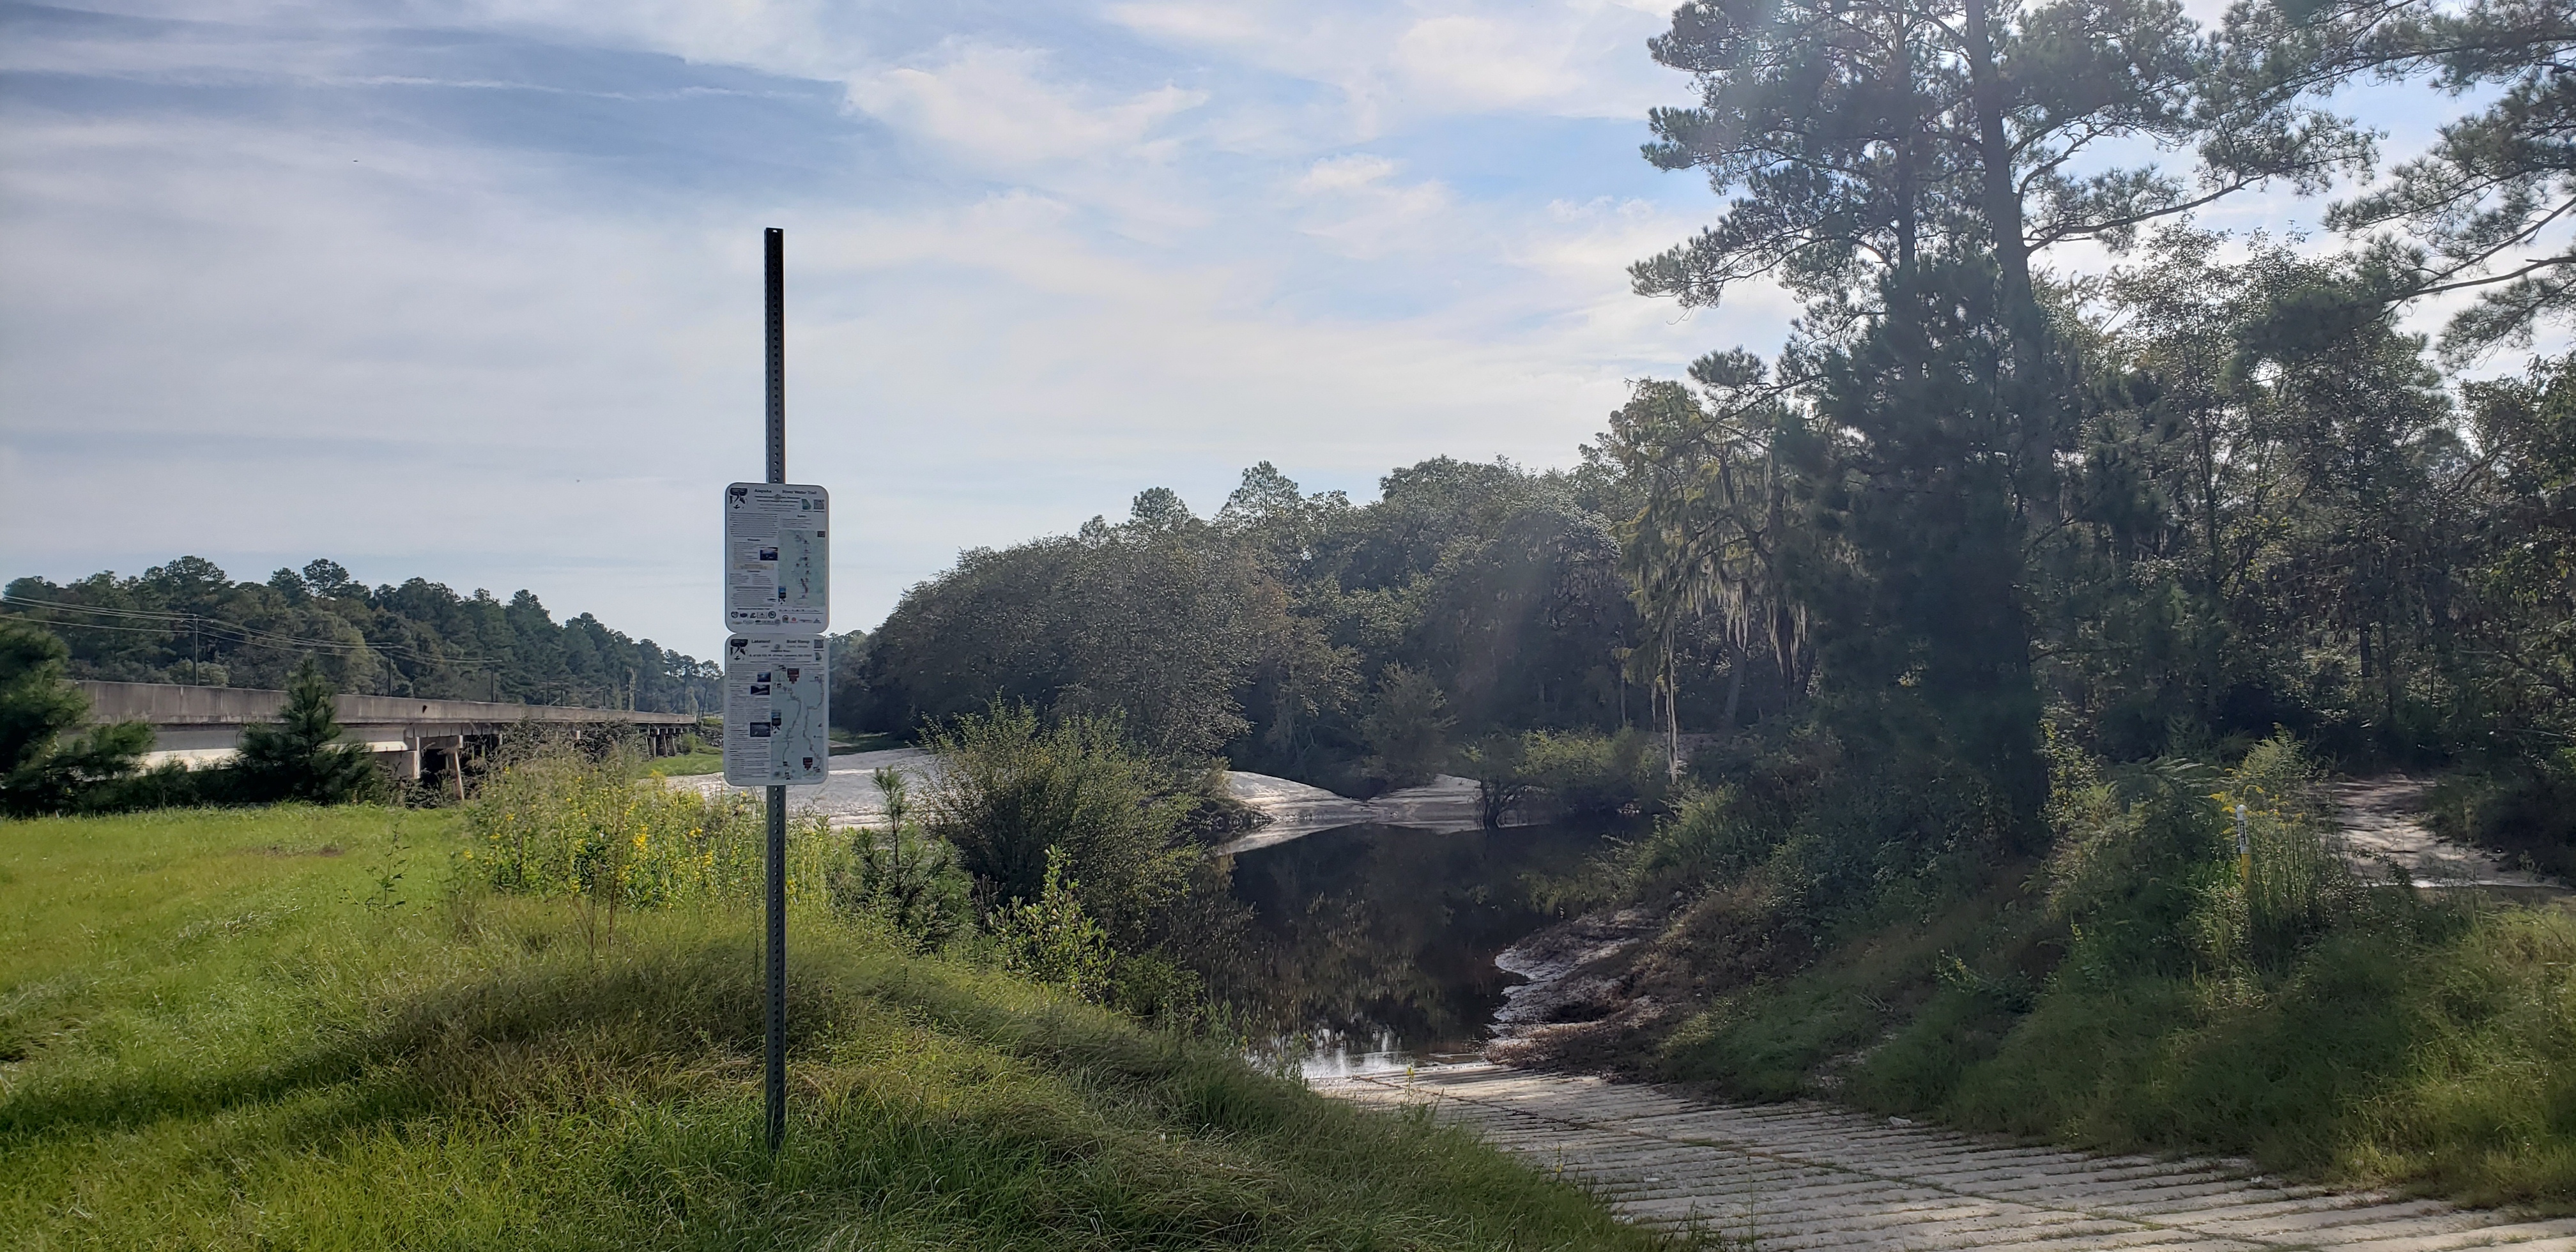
(208, 1038)
(2435, 1049)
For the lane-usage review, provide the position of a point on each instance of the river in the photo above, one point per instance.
(1374, 946)
(1374, 925)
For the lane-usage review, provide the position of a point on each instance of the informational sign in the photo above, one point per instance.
(778, 562)
(777, 724)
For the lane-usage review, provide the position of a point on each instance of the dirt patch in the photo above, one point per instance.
(2385, 828)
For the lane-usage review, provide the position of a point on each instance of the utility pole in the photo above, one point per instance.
(775, 888)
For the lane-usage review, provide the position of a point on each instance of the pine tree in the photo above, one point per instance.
(43, 767)
(301, 756)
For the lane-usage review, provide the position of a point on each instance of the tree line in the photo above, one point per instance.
(188, 622)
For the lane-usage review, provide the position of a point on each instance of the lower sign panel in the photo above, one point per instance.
(777, 727)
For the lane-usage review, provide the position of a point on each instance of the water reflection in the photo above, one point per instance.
(1374, 945)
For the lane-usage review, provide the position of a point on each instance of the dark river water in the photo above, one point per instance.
(1374, 946)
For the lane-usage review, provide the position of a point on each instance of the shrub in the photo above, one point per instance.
(1500, 765)
(2145, 871)
(1590, 774)
(1017, 796)
(1050, 939)
(1711, 839)
(2525, 809)
(904, 879)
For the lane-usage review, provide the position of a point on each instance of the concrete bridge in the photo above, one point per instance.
(203, 725)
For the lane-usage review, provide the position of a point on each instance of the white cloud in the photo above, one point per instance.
(1476, 62)
(1574, 58)
(999, 108)
(1345, 173)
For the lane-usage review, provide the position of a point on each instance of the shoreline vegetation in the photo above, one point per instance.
(2132, 991)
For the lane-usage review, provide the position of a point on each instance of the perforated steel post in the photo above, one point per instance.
(775, 888)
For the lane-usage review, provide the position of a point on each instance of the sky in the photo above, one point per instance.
(470, 289)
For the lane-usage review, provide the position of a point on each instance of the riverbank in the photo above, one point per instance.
(288, 1027)
(2408, 1021)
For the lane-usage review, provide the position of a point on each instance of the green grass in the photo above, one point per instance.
(2431, 1045)
(243, 1030)
(702, 761)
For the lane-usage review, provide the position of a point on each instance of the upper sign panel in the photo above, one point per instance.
(778, 564)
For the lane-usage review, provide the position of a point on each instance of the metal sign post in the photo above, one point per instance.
(774, 889)
(777, 604)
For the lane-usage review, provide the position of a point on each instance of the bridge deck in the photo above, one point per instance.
(202, 725)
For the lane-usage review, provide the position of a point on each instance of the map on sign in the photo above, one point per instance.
(777, 559)
(777, 711)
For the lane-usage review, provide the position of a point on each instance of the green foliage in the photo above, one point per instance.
(909, 882)
(1049, 939)
(208, 1043)
(2470, 207)
(1590, 774)
(1583, 774)
(300, 757)
(1711, 839)
(2524, 809)
(1500, 765)
(43, 767)
(2145, 996)
(1161, 620)
(188, 622)
(1256, 633)
(1407, 729)
(1019, 793)
(2145, 874)
(556, 823)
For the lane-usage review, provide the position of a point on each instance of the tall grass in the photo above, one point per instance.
(555, 822)
(207, 1040)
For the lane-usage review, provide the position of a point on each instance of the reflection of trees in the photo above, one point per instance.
(1378, 927)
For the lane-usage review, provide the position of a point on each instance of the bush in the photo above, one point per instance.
(2146, 876)
(1500, 765)
(1590, 774)
(2525, 809)
(906, 880)
(1017, 796)
(1711, 840)
(1050, 939)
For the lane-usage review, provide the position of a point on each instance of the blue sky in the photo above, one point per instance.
(470, 290)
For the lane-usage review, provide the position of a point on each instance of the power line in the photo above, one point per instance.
(248, 634)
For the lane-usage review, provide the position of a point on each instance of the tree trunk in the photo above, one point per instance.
(1994, 154)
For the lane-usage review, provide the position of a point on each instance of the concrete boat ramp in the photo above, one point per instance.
(1813, 1176)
